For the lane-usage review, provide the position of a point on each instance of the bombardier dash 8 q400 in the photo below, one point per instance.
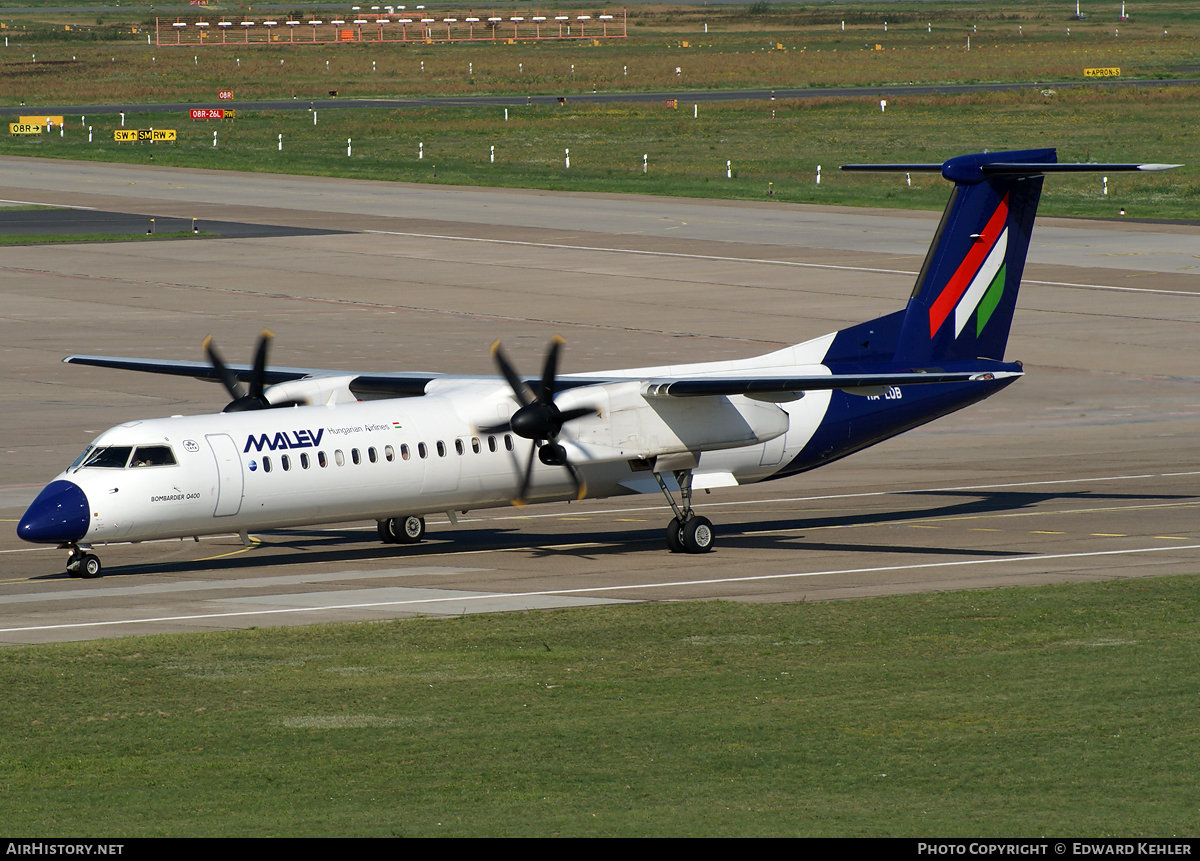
(299, 447)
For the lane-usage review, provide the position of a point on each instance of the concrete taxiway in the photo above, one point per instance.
(1087, 468)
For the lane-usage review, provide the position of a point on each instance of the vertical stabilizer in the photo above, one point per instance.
(962, 305)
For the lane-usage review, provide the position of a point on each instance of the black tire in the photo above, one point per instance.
(90, 567)
(408, 530)
(386, 535)
(697, 535)
(675, 536)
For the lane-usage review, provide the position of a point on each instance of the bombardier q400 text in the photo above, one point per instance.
(302, 446)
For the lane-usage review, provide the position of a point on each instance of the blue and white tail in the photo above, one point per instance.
(962, 306)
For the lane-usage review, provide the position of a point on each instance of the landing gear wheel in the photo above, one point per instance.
(675, 536)
(385, 531)
(408, 530)
(697, 535)
(90, 566)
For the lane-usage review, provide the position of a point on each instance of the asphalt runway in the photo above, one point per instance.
(1085, 469)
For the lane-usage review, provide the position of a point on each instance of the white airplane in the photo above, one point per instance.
(302, 446)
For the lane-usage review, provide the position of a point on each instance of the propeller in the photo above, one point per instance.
(539, 418)
(251, 398)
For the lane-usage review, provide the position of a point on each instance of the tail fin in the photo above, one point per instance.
(963, 302)
(962, 305)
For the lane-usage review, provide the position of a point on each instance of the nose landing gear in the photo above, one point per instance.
(80, 563)
(687, 532)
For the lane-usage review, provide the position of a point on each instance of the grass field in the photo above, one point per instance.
(788, 45)
(774, 147)
(1054, 710)
(687, 155)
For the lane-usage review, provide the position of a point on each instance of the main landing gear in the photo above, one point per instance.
(80, 563)
(402, 530)
(687, 532)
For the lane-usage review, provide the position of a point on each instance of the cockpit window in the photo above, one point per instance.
(75, 463)
(108, 457)
(153, 455)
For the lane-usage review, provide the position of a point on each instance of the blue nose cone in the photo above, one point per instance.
(58, 515)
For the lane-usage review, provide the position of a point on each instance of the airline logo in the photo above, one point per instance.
(281, 440)
(978, 283)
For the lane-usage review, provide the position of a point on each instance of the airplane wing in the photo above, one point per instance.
(715, 386)
(393, 384)
(399, 384)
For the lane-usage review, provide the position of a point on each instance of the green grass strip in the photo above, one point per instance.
(1023, 711)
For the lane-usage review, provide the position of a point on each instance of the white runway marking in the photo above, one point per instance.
(1067, 284)
(672, 584)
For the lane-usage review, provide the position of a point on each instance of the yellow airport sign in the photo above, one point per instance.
(24, 129)
(43, 120)
(1102, 73)
(136, 135)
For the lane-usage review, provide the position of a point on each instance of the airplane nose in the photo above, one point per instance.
(58, 515)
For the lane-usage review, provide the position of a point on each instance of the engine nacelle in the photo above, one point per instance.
(314, 390)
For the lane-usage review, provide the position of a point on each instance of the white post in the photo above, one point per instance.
(214, 140)
(372, 65)
(89, 134)
(695, 111)
(61, 129)
(506, 114)
(968, 43)
(728, 169)
(239, 62)
(347, 147)
(706, 29)
(928, 28)
(492, 154)
(421, 150)
(470, 68)
(908, 180)
(843, 26)
(885, 26)
(818, 174)
(567, 155)
(122, 119)
(882, 105)
(1106, 185)
(422, 66)
(645, 161)
(625, 69)
(281, 142)
(83, 120)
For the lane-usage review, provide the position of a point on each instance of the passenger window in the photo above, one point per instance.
(389, 453)
(508, 442)
(285, 462)
(475, 444)
(109, 457)
(422, 450)
(153, 455)
(458, 446)
(371, 455)
(322, 461)
(304, 459)
(339, 457)
(491, 443)
(441, 448)
(404, 452)
(266, 464)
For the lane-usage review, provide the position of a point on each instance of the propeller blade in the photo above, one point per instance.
(514, 381)
(504, 428)
(228, 379)
(580, 484)
(519, 502)
(550, 370)
(258, 375)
